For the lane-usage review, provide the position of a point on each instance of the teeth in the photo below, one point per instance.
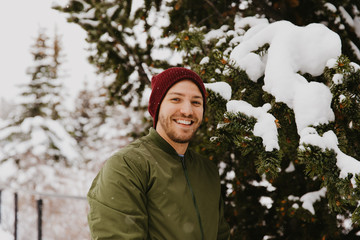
(187, 122)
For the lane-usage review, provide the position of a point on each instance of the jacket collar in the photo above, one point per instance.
(154, 137)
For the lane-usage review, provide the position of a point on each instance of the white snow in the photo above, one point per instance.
(205, 60)
(7, 170)
(222, 88)
(346, 16)
(253, 22)
(253, 65)
(39, 135)
(330, 7)
(338, 78)
(214, 34)
(331, 63)
(346, 223)
(5, 235)
(352, 22)
(292, 49)
(266, 201)
(265, 126)
(264, 183)
(135, 5)
(312, 105)
(310, 198)
(290, 168)
(230, 175)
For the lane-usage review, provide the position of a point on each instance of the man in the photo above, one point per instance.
(156, 188)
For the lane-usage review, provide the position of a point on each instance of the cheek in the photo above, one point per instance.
(165, 111)
(200, 114)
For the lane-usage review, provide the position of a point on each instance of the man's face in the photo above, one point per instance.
(180, 113)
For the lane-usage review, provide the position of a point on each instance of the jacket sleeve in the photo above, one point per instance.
(117, 200)
(224, 229)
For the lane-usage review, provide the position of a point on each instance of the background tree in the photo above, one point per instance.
(6, 108)
(42, 96)
(99, 128)
(37, 152)
(34, 134)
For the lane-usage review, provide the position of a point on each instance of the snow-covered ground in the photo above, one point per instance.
(4, 235)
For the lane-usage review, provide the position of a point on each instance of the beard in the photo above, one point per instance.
(175, 134)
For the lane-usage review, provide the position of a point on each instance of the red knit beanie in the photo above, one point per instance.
(162, 82)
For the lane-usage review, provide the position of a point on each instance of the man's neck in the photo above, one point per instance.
(180, 148)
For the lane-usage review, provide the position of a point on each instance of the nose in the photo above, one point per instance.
(186, 108)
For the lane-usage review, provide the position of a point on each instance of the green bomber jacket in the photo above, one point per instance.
(147, 191)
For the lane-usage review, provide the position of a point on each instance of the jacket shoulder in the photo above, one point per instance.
(133, 152)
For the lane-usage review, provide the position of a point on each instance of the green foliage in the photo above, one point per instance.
(200, 13)
(346, 98)
(322, 164)
(356, 214)
(186, 40)
(249, 173)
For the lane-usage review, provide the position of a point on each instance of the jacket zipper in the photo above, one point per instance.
(192, 195)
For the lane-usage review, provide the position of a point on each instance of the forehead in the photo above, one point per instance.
(185, 87)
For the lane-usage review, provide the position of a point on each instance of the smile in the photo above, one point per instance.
(184, 122)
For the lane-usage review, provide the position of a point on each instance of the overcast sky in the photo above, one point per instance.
(20, 21)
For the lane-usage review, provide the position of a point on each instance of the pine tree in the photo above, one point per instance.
(89, 114)
(34, 133)
(6, 108)
(36, 149)
(100, 128)
(42, 96)
(267, 190)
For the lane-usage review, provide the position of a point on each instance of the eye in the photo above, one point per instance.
(175, 99)
(197, 103)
